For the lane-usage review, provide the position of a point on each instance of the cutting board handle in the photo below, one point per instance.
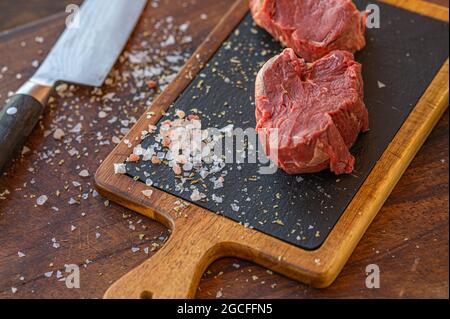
(174, 272)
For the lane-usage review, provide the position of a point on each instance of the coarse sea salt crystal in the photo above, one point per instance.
(147, 193)
(72, 201)
(77, 128)
(186, 39)
(73, 151)
(188, 166)
(217, 199)
(196, 195)
(20, 254)
(41, 200)
(169, 41)
(58, 134)
(235, 207)
(120, 168)
(184, 27)
(102, 114)
(84, 173)
(148, 182)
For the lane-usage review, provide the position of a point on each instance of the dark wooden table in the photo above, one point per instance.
(408, 240)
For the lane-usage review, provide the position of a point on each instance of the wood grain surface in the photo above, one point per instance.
(408, 239)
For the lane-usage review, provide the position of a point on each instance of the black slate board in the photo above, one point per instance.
(404, 55)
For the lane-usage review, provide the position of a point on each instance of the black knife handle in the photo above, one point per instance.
(17, 119)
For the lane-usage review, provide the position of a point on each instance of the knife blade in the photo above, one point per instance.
(84, 54)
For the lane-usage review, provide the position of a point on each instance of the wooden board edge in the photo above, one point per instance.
(386, 173)
(284, 258)
(429, 9)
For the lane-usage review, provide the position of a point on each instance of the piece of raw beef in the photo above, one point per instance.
(312, 28)
(317, 110)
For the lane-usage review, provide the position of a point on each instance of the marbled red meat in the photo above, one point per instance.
(317, 110)
(312, 28)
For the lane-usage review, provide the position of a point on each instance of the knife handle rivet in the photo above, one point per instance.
(11, 111)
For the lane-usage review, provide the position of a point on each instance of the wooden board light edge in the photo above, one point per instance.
(200, 237)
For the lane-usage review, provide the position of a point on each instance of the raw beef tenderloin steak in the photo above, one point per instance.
(313, 28)
(317, 110)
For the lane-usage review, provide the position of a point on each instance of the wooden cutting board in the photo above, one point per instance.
(200, 236)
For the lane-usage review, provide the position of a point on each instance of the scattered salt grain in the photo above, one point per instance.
(135, 249)
(299, 179)
(169, 41)
(20, 254)
(58, 134)
(217, 199)
(196, 195)
(148, 182)
(73, 201)
(25, 150)
(115, 139)
(84, 173)
(186, 39)
(147, 193)
(381, 85)
(76, 129)
(184, 27)
(102, 114)
(73, 151)
(120, 168)
(41, 200)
